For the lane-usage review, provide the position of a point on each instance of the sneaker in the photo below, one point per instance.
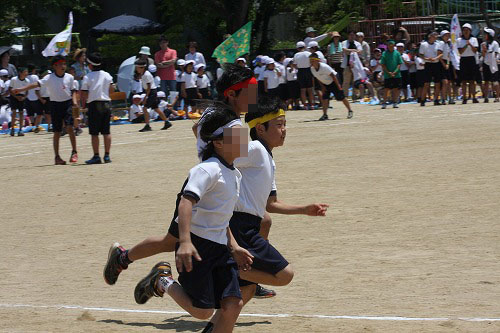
(94, 160)
(146, 288)
(60, 161)
(486, 100)
(107, 159)
(443, 102)
(209, 328)
(50, 129)
(12, 131)
(464, 101)
(384, 105)
(262, 292)
(113, 268)
(475, 101)
(74, 157)
(395, 106)
(167, 125)
(350, 114)
(37, 129)
(146, 128)
(323, 117)
(422, 103)
(451, 102)
(436, 102)
(20, 133)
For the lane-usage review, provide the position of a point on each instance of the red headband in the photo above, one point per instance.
(241, 85)
(59, 61)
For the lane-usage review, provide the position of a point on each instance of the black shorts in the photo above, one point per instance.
(392, 83)
(283, 92)
(332, 88)
(178, 86)
(413, 80)
(152, 101)
(420, 78)
(34, 108)
(468, 69)
(61, 113)
(15, 104)
(212, 279)
(99, 117)
(261, 87)
(192, 95)
(204, 93)
(448, 74)
(245, 229)
(405, 79)
(488, 76)
(46, 105)
(305, 78)
(433, 72)
(293, 88)
(275, 92)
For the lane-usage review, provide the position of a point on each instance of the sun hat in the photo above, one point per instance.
(241, 59)
(310, 29)
(312, 44)
(136, 97)
(145, 50)
(4, 72)
(181, 62)
(78, 52)
(489, 31)
(335, 34)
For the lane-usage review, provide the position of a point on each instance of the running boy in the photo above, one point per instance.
(62, 98)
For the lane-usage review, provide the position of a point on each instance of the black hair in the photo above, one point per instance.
(313, 55)
(56, 59)
(265, 105)
(140, 62)
(193, 44)
(233, 74)
(279, 56)
(96, 58)
(163, 38)
(31, 67)
(217, 116)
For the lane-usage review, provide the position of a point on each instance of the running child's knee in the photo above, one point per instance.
(231, 307)
(285, 276)
(203, 314)
(266, 221)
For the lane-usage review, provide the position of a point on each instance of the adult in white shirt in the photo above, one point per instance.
(327, 77)
(349, 46)
(469, 70)
(490, 50)
(432, 51)
(304, 76)
(311, 36)
(96, 89)
(197, 57)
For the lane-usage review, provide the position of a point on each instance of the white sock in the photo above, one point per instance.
(164, 282)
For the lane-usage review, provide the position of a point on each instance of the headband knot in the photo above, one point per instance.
(240, 85)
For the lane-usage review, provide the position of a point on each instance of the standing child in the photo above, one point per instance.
(76, 109)
(96, 88)
(153, 70)
(412, 71)
(490, 51)
(34, 104)
(420, 77)
(259, 70)
(17, 99)
(178, 78)
(271, 78)
(282, 90)
(304, 76)
(391, 61)
(405, 67)
(202, 82)
(189, 90)
(292, 84)
(432, 52)
(60, 86)
(468, 47)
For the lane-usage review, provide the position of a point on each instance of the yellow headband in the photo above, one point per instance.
(315, 59)
(264, 119)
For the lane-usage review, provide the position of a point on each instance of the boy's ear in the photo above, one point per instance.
(218, 144)
(260, 128)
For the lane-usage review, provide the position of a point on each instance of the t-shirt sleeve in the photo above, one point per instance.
(474, 42)
(200, 182)
(421, 49)
(109, 77)
(400, 59)
(85, 83)
(44, 81)
(252, 160)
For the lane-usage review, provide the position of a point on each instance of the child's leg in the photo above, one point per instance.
(229, 312)
(310, 96)
(152, 246)
(282, 278)
(95, 144)
(184, 301)
(107, 143)
(72, 136)
(21, 118)
(146, 114)
(303, 96)
(265, 226)
(472, 88)
(161, 114)
(346, 104)
(395, 95)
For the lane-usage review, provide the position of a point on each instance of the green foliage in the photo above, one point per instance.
(393, 7)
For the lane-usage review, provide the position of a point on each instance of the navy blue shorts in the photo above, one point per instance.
(99, 117)
(16, 104)
(34, 108)
(245, 228)
(305, 78)
(152, 101)
(333, 89)
(61, 113)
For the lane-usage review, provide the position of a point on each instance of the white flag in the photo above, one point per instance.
(455, 32)
(61, 43)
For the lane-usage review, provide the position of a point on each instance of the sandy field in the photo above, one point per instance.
(411, 242)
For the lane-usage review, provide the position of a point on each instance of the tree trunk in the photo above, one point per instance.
(484, 11)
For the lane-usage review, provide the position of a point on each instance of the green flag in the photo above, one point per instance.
(235, 46)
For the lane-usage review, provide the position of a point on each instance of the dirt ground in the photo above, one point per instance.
(413, 231)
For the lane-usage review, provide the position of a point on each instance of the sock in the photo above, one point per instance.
(164, 282)
(96, 155)
(106, 154)
(74, 152)
(124, 260)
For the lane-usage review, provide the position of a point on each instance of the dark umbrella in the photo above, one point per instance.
(4, 49)
(127, 25)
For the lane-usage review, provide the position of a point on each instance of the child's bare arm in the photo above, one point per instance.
(186, 249)
(276, 206)
(242, 257)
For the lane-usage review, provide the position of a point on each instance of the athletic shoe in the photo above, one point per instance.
(94, 160)
(12, 131)
(422, 103)
(486, 100)
(37, 129)
(464, 101)
(167, 125)
(262, 292)
(395, 106)
(20, 133)
(443, 102)
(323, 117)
(146, 128)
(50, 129)
(74, 157)
(60, 161)
(350, 114)
(209, 328)
(451, 102)
(113, 268)
(146, 288)
(107, 159)
(384, 105)
(475, 101)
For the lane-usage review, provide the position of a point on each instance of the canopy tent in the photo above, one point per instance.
(4, 49)
(126, 25)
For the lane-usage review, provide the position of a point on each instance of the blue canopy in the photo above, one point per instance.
(127, 25)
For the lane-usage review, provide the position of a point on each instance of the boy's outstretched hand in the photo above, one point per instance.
(316, 209)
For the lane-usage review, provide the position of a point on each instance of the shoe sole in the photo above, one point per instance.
(110, 252)
(144, 283)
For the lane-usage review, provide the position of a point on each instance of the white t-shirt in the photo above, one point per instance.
(216, 187)
(301, 59)
(32, 96)
(258, 179)
(258, 71)
(491, 56)
(134, 109)
(189, 79)
(281, 68)
(16, 83)
(446, 50)
(323, 73)
(345, 45)
(405, 57)
(219, 72)
(291, 74)
(272, 78)
(319, 38)
(6, 88)
(197, 57)
(59, 88)
(157, 81)
(202, 82)
(97, 83)
(178, 75)
(420, 63)
(462, 42)
(430, 50)
(147, 77)
(376, 63)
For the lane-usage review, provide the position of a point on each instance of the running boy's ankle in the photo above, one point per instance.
(124, 260)
(163, 283)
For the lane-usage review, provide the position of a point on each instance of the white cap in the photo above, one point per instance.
(400, 45)
(300, 44)
(181, 62)
(152, 68)
(189, 62)
(197, 67)
(161, 94)
(489, 31)
(467, 25)
(136, 97)
(287, 61)
(360, 34)
(444, 32)
(241, 59)
(312, 44)
(270, 61)
(145, 50)
(4, 72)
(49, 72)
(310, 29)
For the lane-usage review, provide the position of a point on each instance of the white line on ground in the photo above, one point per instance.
(261, 315)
